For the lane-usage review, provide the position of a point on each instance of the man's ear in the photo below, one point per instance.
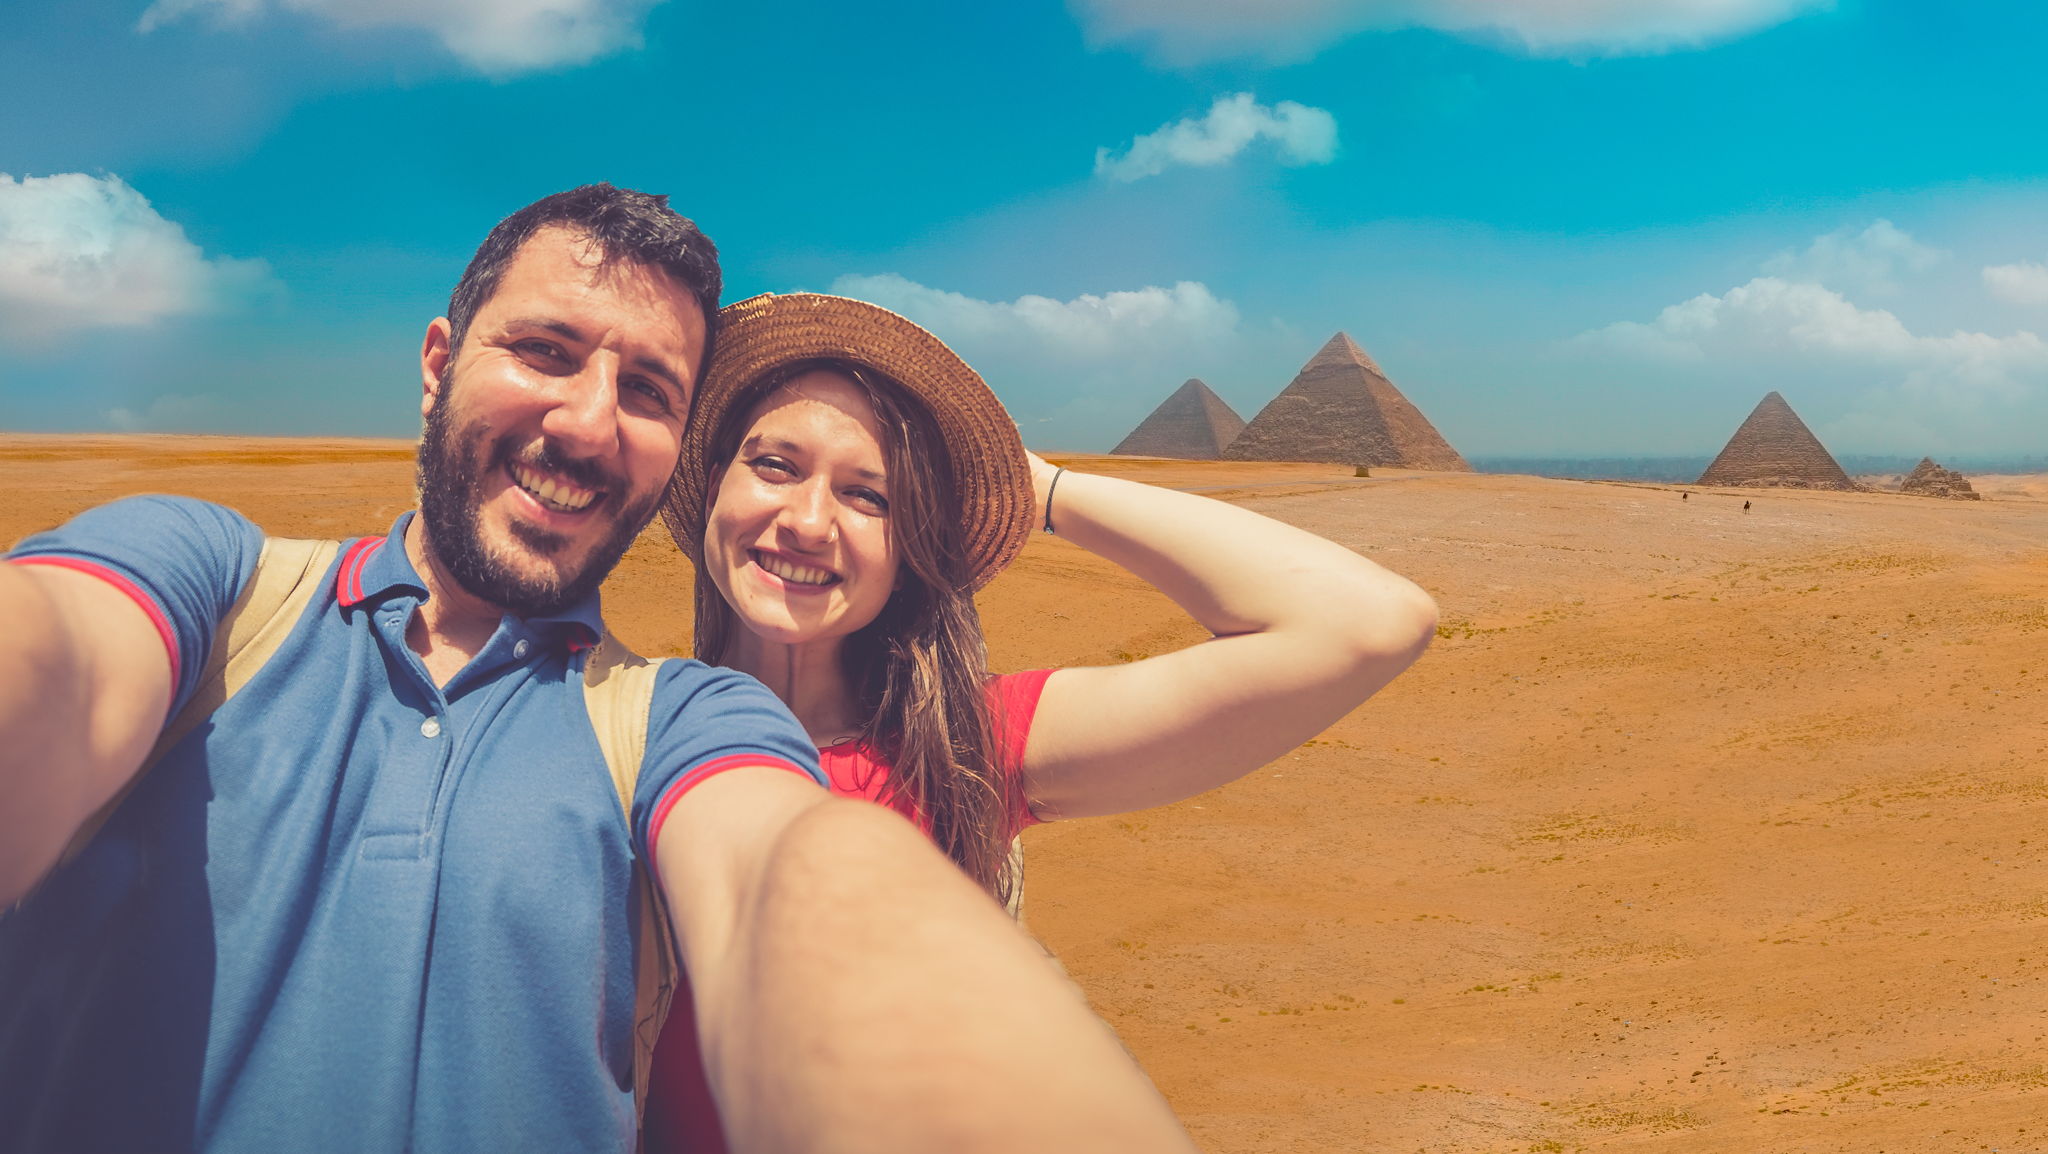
(435, 353)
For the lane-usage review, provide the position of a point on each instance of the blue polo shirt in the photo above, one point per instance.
(353, 910)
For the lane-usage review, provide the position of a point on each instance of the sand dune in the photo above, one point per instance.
(1697, 830)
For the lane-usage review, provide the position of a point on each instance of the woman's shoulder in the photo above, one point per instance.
(1030, 681)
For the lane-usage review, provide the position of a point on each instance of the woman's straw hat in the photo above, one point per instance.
(762, 334)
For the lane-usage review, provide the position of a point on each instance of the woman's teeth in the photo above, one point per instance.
(555, 494)
(795, 574)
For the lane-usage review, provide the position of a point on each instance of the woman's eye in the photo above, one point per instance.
(774, 467)
(870, 500)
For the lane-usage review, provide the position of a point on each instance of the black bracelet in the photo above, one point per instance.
(1049, 490)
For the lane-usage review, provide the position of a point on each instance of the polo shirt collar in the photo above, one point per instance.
(374, 568)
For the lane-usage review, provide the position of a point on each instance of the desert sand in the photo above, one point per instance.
(1696, 830)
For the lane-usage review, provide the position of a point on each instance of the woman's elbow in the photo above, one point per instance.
(1396, 623)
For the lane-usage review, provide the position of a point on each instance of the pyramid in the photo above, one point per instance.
(1774, 450)
(1193, 423)
(1341, 409)
(1931, 480)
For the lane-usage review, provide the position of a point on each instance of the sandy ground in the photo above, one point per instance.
(1696, 830)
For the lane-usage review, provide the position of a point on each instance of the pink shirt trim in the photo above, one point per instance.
(135, 593)
(704, 772)
(348, 576)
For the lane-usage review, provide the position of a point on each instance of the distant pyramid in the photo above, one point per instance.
(1342, 410)
(1931, 480)
(1193, 423)
(1774, 450)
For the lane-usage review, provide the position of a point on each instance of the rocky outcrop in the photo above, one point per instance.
(1931, 480)
(1775, 450)
(1342, 410)
(1193, 423)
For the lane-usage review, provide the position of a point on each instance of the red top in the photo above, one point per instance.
(681, 1117)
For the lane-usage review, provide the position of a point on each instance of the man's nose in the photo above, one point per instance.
(584, 420)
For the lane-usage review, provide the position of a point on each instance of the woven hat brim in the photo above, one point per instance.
(762, 334)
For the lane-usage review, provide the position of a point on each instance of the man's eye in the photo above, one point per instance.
(538, 349)
(650, 390)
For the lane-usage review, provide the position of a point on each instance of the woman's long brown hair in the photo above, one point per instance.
(919, 670)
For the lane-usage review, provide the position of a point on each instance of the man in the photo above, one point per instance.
(379, 900)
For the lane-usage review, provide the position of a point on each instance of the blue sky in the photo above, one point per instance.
(1564, 227)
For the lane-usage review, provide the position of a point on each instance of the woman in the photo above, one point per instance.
(847, 484)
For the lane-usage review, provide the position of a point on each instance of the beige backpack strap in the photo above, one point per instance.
(287, 575)
(618, 690)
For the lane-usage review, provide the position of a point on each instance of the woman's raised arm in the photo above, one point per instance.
(1304, 629)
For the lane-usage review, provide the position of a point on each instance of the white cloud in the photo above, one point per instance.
(1893, 389)
(1868, 261)
(1867, 379)
(496, 37)
(1075, 373)
(1798, 312)
(1088, 327)
(1184, 32)
(81, 252)
(2025, 283)
(1304, 135)
(1770, 315)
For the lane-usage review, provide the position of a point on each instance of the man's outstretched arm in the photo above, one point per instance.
(85, 681)
(855, 992)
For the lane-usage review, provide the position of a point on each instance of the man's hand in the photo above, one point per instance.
(855, 992)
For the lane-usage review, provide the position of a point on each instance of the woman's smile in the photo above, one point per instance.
(792, 572)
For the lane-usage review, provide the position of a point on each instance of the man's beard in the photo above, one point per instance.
(453, 478)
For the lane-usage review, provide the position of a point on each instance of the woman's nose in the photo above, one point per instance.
(808, 514)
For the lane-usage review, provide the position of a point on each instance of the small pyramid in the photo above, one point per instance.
(1931, 480)
(1775, 450)
(1342, 410)
(1194, 423)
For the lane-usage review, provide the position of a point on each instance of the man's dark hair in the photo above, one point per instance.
(629, 226)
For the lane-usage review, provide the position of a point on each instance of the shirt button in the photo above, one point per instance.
(431, 727)
(519, 650)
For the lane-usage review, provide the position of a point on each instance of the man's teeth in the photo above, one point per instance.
(796, 574)
(551, 492)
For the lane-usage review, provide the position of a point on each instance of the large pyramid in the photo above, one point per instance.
(1774, 450)
(1343, 410)
(1193, 423)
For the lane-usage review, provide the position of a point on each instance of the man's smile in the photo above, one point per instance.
(552, 491)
